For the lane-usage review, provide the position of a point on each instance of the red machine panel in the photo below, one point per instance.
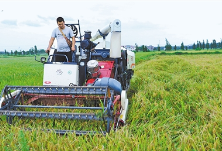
(106, 68)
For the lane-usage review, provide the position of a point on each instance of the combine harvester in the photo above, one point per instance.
(94, 82)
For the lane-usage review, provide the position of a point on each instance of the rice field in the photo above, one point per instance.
(175, 103)
(20, 71)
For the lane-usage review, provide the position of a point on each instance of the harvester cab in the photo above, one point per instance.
(93, 87)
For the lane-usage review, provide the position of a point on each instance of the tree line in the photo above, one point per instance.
(141, 48)
(196, 46)
(31, 51)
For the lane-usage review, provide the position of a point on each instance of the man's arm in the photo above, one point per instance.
(50, 44)
(73, 43)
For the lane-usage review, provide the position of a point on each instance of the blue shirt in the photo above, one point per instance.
(62, 45)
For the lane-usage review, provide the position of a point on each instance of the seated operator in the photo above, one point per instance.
(62, 45)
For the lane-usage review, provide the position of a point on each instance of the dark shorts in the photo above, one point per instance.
(61, 57)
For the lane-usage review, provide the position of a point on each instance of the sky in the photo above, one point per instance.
(24, 24)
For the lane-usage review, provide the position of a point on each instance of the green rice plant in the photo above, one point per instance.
(23, 142)
(20, 71)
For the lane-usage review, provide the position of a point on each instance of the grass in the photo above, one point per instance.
(175, 104)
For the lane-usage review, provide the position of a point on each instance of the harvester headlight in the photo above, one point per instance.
(43, 59)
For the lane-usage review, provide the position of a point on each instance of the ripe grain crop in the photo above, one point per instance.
(175, 103)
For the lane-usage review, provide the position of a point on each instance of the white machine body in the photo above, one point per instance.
(115, 40)
(104, 30)
(130, 59)
(60, 74)
(124, 105)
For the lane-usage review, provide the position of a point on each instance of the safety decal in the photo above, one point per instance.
(47, 82)
(69, 72)
(59, 72)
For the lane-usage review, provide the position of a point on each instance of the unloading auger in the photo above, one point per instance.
(96, 79)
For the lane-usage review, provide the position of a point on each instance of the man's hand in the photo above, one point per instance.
(50, 44)
(73, 44)
(73, 48)
(47, 50)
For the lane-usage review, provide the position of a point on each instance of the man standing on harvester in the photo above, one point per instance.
(64, 46)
